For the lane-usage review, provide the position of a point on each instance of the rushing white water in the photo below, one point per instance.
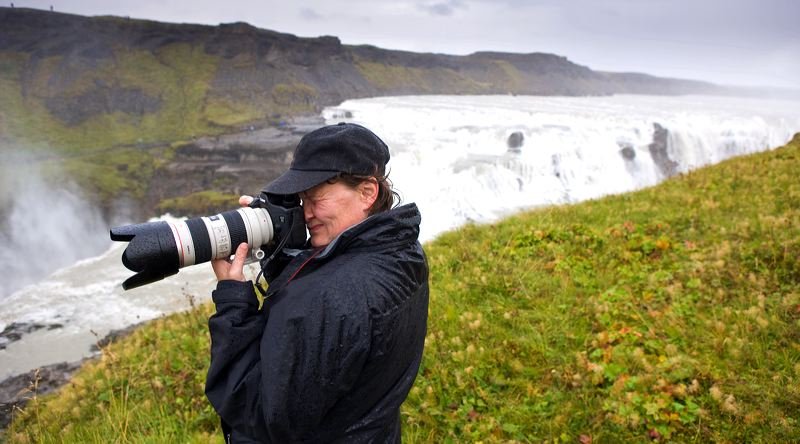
(449, 155)
(54, 227)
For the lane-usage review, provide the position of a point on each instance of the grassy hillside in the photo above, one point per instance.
(668, 314)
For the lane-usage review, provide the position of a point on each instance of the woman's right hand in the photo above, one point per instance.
(231, 270)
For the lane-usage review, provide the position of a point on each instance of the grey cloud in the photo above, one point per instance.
(446, 8)
(309, 14)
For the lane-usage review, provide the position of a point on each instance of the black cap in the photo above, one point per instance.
(325, 152)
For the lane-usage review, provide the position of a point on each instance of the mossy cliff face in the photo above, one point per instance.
(110, 101)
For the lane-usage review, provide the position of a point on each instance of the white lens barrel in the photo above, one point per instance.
(206, 238)
(184, 242)
(258, 225)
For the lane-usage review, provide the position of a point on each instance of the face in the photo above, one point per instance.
(331, 208)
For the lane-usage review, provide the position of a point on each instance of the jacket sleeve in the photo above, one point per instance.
(236, 329)
(282, 382)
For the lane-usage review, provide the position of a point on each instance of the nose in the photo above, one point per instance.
(307, 213)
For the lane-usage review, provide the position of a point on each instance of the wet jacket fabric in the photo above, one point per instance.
(337, 345)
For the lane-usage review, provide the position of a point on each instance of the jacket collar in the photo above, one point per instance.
(399, 225)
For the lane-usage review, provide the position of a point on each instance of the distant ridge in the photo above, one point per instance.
(265, 71)
(156, 111)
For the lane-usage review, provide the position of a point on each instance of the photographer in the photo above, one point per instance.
(335, 349)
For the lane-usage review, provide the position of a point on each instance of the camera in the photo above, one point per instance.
(158, 249)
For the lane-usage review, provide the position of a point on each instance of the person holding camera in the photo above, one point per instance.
(334, 350)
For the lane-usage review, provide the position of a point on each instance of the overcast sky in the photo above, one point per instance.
(735, 42)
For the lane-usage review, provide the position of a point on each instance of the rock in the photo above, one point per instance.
(101, 100)
(344, 114)
(113, 336)
(658, 151)
(17, 390)
(627, 151)
(237, 163)
(515, 141)
(15, 330)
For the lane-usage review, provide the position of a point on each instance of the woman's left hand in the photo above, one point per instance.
(233, 270)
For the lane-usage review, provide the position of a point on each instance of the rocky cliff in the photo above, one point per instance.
(139, 108)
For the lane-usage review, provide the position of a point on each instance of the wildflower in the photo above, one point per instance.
(595, 368)
(679, 390)
(715, 393)
(730, 405)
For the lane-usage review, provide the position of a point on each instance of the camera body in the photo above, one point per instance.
(159, 249)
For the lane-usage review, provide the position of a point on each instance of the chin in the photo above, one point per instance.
(316, 242)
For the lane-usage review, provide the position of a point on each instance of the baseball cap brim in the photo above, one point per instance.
(294, 181)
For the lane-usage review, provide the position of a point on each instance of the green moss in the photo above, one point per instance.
(107, 175)
(225, 112)
(178, 74)
(390, 78)
(513, 81)
(203, 203)
(294, 97)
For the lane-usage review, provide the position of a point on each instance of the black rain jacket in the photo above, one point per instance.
(337, 345)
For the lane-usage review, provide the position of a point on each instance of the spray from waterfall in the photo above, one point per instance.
(44, 227)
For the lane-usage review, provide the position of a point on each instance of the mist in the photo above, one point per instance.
(44, 227)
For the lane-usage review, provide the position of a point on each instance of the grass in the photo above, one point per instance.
(147, 388)
(670, 314)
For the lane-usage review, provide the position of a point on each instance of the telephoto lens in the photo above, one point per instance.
(159, 249)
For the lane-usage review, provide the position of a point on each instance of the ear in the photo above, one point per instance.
(368, 190)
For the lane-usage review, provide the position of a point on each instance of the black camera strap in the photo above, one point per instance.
(265, 263)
